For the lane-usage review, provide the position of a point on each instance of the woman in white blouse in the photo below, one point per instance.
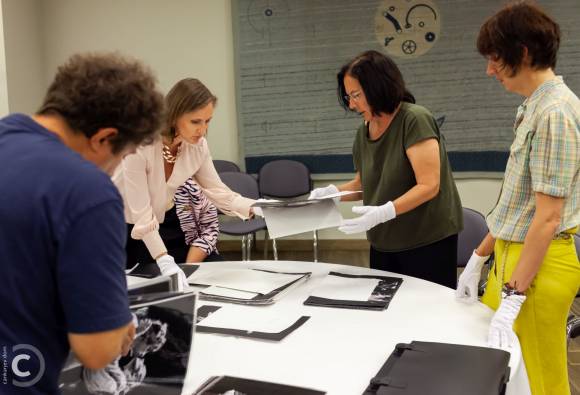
(149, 179)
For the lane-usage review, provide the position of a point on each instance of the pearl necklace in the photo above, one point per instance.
(168, 156)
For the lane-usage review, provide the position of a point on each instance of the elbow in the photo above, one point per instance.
(432, 190)
(552, 222)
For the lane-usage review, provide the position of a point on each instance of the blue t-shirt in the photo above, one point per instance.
(62, 254)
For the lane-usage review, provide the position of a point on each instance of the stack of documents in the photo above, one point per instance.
(271, 203)
(245, 286)
(294, 216)
(355, 291)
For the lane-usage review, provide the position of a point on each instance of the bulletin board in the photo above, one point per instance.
(288, 53)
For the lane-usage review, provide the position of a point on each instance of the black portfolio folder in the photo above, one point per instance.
(379, 299)
(221, 385)
(159, 356)
(421, 368)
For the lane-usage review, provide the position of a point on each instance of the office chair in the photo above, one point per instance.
(474, 231)
(286, 179)
(222, 166)
(247, 186)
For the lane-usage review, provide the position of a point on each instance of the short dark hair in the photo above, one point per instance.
(187, 95)
(519, 25)
(380, 79)
(92, 91)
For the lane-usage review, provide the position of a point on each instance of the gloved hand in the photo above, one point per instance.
(501, 333)
(258, 211)
(322, 192)
(468, 282)
(168, 267)
(371, 217)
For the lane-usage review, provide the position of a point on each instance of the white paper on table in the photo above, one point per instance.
(248, 319)
(286, 221)
(242, 279)
(229, 293)
(133, 280)
(343, 288)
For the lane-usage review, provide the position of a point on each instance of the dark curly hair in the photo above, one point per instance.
(380, 79)
(92, 91)
(520, 25)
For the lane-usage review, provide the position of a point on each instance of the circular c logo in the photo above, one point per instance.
(17, 370)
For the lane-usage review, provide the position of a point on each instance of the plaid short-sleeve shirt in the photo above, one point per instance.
(544, 157)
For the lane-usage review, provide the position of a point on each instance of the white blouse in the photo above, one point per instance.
(140, 179)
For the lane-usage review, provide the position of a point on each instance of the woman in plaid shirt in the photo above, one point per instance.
(536, 273)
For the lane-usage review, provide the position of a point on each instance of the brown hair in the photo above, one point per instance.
(187, 95)
(380, 79)
(519, 25)
(93, 91)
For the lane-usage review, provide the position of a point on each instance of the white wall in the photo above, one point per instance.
(3, 77)
(177, 38)
(24, 49)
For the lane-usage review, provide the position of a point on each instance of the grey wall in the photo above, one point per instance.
(290, 52)
(25, 54)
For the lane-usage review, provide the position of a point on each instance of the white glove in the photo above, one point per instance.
(258, 211)
(468, 282)
(371, 217)
(168, 267)
(318, 193)
(501, 333)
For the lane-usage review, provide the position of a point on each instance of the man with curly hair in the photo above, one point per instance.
(62, 233)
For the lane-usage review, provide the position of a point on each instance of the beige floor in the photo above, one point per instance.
(356, 253)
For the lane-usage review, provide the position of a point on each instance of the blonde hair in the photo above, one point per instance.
(187, 95)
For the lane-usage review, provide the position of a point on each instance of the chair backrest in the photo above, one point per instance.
(577, 242)
(242, 183)
(284, 179)
(474, 230)
(222, 166)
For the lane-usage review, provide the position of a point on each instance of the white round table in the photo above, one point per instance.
(340, 350)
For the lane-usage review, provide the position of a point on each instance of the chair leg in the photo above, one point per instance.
(315, 245)
(266, 241)
(249, 247)
(275, 249)
(243, 247)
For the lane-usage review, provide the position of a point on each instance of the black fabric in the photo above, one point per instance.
(421, 368)
(173, 237)
(436, 262)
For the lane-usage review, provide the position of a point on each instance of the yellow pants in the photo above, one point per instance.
(541, 324)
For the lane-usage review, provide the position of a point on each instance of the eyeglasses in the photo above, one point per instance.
(354, 96)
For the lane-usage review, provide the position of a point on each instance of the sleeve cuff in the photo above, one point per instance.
(202, 245)
(154, 244)
(550, 190)
(241, 206)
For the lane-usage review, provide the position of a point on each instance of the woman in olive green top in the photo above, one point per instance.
(412, 212)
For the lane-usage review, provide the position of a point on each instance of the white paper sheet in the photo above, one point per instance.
(230, 293)
(242, 279)
(248, 319)
(286, 221)
(342, 288)
(339, 194)
(133, 280)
